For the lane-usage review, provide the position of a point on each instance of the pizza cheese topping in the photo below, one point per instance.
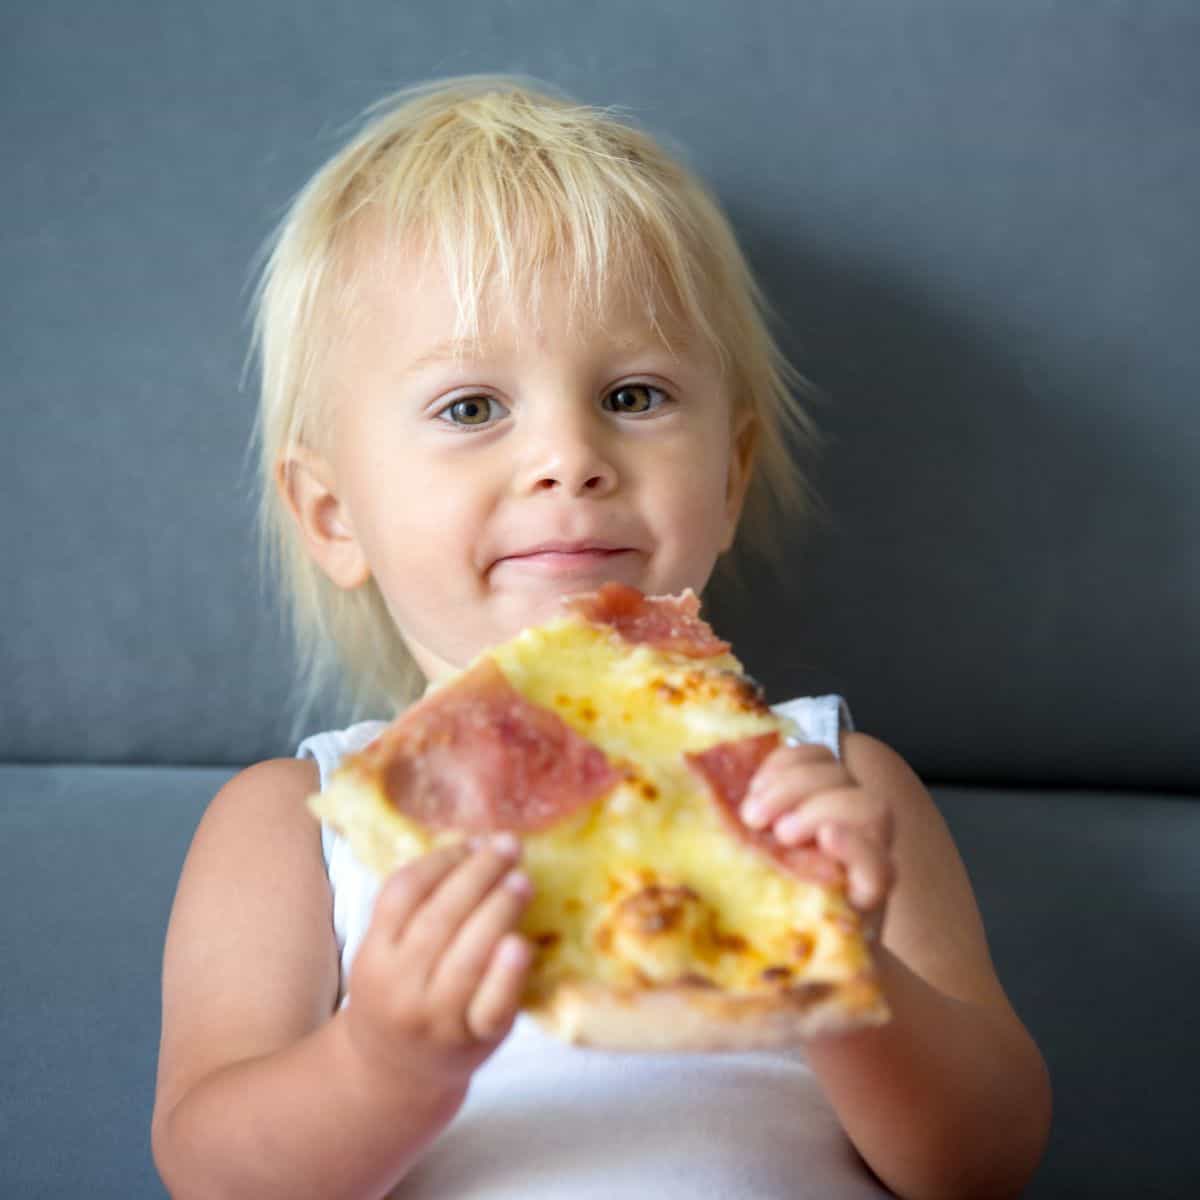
(621, 754)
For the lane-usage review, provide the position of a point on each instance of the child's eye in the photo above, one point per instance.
(634, 398)
(471, 411)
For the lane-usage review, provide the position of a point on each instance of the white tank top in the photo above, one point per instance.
(548, 1121)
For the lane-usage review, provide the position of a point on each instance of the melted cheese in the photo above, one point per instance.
(648, 884)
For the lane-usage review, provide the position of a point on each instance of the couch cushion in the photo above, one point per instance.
(1091, 901)
(89, 858)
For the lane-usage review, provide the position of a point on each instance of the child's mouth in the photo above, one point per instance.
(559, 563)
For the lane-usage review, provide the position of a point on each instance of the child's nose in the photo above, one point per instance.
(577, 475)
(597, 484)
(571, 460)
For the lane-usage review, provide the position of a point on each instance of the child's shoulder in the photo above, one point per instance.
(262, 805)
(254, 876)
(268, 789)
(873, 762)
(921, 835)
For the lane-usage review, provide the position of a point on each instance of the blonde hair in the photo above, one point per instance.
(496, 178)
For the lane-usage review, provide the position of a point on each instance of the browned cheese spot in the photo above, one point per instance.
(612, 887)
(803, 945)
(747, 693)
(656, 909)
(732, 941)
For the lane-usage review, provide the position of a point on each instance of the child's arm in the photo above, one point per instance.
(951, 1098)
(261, 1091)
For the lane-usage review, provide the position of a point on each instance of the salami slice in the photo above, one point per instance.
(476, 756)
(727, 768)
(669, 623)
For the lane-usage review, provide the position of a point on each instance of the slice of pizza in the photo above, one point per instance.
(617, 741)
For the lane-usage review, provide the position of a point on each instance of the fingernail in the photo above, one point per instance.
(506, 844)
(789, 828)
(514, 950)
(518, 881)
(754, 813)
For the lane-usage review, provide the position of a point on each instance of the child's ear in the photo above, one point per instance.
(308, 486)
(741, 468)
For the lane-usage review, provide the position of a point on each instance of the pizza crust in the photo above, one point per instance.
(689, 1017)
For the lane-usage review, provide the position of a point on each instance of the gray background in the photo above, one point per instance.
(977, 223)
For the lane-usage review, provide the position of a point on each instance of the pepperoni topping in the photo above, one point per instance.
(670, 623)
(727, 769)
(475, 756)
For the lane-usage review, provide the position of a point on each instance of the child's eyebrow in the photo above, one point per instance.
(450, 350)
(458, 350)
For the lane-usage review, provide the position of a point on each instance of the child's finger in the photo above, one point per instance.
(408, 888)
(771, 794)
(437, 921)
(849, 806)
(494, 1005)
(458, 973)
(870, 874)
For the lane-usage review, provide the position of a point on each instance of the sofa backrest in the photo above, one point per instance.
(977, 225)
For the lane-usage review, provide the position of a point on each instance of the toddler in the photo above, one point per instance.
(510, 350)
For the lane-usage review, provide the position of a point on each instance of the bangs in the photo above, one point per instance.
(512, 190)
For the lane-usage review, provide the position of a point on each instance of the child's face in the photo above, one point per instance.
(479, 487)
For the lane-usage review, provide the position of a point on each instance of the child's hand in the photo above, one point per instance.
(804, 794)
(438, 979)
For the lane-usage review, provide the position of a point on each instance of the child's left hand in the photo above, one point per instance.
(804, 794)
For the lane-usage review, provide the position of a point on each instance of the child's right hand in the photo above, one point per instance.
(437, 981)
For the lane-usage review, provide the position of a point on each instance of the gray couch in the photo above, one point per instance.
(978, 225)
